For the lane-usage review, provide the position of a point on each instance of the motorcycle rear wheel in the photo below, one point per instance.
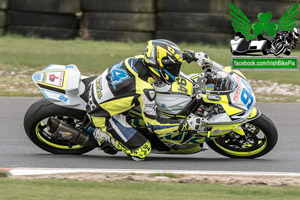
(261, 137)
(35, 121)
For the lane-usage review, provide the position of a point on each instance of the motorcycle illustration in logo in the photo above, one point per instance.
(253, 37)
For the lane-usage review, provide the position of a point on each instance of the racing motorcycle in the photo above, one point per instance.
(234, 127)
(284, 41)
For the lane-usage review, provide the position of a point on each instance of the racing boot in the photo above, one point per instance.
(138, 154)
(106, 142)
(111, 146)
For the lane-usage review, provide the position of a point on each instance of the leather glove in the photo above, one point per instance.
(201, 57)
(189, 56)
(195, 123)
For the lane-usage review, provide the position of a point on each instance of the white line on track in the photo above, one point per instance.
(39, 171)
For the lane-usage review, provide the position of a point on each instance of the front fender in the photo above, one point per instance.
(254, 114)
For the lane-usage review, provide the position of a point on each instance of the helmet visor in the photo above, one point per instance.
(172, 70)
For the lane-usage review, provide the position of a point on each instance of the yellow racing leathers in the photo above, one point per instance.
(118, 89)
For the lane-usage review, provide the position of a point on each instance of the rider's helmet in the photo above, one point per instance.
(163, 58)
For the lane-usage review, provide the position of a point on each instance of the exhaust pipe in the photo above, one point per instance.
(64, 131)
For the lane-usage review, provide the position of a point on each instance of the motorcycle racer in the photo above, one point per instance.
(284, 41)
(128, 84)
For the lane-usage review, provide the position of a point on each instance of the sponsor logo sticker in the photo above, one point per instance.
(238, 89)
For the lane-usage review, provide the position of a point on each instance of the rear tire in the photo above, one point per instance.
(264, 125)
(35, 128)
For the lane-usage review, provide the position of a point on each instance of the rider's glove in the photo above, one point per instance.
(195, 123)
(201, 56)
(202, 59)
(189, 56)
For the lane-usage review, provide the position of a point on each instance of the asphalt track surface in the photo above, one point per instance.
(16, 150)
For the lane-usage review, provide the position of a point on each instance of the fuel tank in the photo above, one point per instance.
(172, 99)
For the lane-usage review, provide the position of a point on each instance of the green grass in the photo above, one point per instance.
(14, 189)
(170, 175)
(30, 54)
(96, 56)
(89, 56)
(4, 173)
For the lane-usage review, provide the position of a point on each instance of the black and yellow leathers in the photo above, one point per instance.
(117, 90)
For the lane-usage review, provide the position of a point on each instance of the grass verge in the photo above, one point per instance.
(20, 57)
(68, 189)
(4, 173)
(169, 175)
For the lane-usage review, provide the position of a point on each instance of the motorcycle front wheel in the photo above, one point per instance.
(35, 125)
(260, 138)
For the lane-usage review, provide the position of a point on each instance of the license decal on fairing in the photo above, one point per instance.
(54, 78)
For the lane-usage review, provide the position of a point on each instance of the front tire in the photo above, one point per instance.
(261, 137)
(35, 121)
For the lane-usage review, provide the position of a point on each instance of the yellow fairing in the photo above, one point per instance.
(239, 130)
(228, 69)
(253, 113)
(218, 130)
(224, 102)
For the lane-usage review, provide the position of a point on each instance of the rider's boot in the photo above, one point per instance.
(138, 154)
(106, 143)
(112, 146)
